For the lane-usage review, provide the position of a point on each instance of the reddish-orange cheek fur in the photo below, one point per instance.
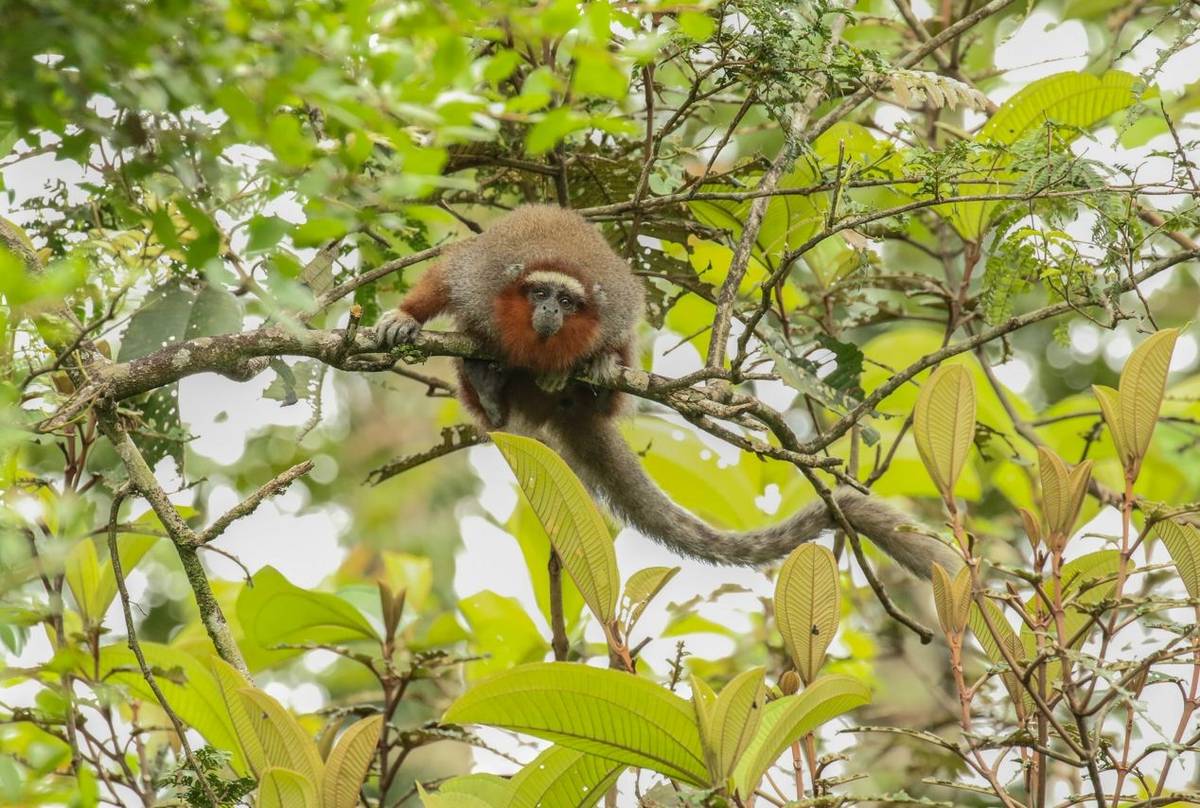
(522, 346)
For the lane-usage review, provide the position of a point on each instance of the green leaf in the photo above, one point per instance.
(696, 25)
(563, 778)
(603, 712)
(733, 722)
(1183, 543)
(265, 233)
(952, 598)
(571, 519)
(790, 718)
(641, 588)
(991, 645)
(552, 128)
(288, 141)
(82, 571)
(535, 547)
(807, 605)
(284, 788)
(348, 763)
(501, 630)
(1143, 382)
(452, 800)
(487, 788)
(598, 74)
(231, 682)
(191, 690)
(284, 742)
(275, 611)
(1063, 491)
(944, 424)
(132, 547)
(1075, 99)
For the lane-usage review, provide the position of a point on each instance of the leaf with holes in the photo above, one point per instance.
(571, 519)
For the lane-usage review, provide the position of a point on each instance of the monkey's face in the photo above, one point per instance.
(551, 303)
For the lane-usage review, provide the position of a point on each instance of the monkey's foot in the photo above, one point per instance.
(603, 368)
(553, 382)
(394, 328)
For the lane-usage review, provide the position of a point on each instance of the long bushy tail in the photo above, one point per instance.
(609, 468)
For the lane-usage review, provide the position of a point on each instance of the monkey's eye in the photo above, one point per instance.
(539, 294)
(566, 302)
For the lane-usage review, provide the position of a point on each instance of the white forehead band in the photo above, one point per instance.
(557, 279)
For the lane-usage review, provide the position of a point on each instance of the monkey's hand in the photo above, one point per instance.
(396, 327)
(553, 382)
(603, 367)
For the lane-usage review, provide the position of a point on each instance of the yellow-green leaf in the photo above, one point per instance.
(595, 710)
(82, 571)
(641, 588)
(944, 424)
(276, 611)
(571, 519)
(1143, 382)
(1110, 407)
(285, 743)
(284, 788)
(189, 688)
(230, 681)
(790, 718)
(563, 778)
(807, 606)
(1183, 543)
(1063, 491)
(952, 597)
(734, 721)
(348, 763)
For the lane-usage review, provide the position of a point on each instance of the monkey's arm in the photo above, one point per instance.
(423, 302)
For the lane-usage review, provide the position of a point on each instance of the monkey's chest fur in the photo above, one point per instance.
(501, 397)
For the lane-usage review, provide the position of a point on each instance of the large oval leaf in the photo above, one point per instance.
(563, 778)
(275, 611)
(190, 690)
(595, 710)
(807, 606)
(348, 763)
(571, 519)
(788, 719)
(944, 424)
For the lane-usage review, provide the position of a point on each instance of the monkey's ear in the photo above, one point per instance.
(513, 271)
(599, 296)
